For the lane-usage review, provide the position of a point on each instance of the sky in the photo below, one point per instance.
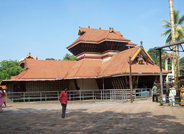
(46, 27)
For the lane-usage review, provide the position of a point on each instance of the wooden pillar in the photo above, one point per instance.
(161, 82)
(130, 80)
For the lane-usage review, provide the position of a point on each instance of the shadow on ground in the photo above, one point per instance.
(83, 121)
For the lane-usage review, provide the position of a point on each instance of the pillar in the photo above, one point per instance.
(166, 68)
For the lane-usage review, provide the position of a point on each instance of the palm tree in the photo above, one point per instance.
(179, 30)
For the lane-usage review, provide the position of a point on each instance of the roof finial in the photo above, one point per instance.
(88, 26)
(141, 43)
(100, 27)
(109, 27)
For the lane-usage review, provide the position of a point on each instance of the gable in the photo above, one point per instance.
(141, 57)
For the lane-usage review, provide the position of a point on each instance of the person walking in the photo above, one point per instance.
(154, 89)
(63, 100)
(1, 99)
(172, 93)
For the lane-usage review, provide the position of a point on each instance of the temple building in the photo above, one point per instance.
(102, 63)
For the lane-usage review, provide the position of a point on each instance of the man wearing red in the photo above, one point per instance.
(63, 100)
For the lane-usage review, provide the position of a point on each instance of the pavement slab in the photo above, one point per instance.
(143, 117)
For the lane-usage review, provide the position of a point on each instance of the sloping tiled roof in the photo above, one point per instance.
(98, 35)
(117, 65)
(85, 68)
(131, 43)
(167, 55)
(45, 69)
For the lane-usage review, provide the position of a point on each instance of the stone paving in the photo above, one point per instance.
(92, 117)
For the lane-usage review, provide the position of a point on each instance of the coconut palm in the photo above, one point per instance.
(179, 30)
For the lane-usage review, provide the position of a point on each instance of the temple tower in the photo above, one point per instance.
(98, 44)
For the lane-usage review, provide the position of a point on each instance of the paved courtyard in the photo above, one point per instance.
(92, 117)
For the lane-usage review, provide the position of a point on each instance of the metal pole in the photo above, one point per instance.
(130, 79)
(173, 47)
(93, 95)
(161, 83)
(24, 97)
(101, 95)
(40, 96)
(103, 88)
(80, 95)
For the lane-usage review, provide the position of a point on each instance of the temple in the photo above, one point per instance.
(102, 63)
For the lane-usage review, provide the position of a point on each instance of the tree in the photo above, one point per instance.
(179, 30)
(50, 59)
(9, 68)
(155, 56)
(181, 65)
(69, 57)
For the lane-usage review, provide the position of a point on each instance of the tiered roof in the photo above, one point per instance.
(97, 36)
(57, 70)
(118, 65)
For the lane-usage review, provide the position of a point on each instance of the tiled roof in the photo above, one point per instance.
(167, 55)
(98, 35)
(45, 69)
(86, 68)
(119, 64)
(131, 43)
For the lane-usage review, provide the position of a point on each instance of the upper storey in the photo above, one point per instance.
(99, 41)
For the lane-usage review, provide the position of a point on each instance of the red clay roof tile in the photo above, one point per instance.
(97, 35)
(86, 68)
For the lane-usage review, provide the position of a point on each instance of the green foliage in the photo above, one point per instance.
(155, 56)
(50, 59)
(66, 57)
(69, 57)
(181, 64)
(179, 30)
(161, 102)
(9, 68)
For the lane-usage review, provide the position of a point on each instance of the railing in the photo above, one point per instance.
(111, 94)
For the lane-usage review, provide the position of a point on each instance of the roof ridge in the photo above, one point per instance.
(79, 67)
(94, 28)
(69, 70)
(23, 73)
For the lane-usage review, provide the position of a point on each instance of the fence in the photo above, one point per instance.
(111, 94)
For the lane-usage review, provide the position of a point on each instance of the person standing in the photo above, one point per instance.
(63, 100)
(4, 98)
(1, 99)
(154, 89)
(172, 93)
(182, 95)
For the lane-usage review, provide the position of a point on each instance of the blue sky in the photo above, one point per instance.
(46, 27)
